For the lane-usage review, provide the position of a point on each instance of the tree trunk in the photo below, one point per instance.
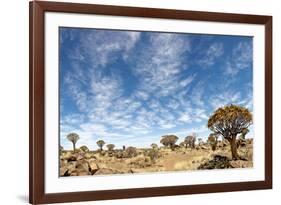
(73, 146)
(234, 148)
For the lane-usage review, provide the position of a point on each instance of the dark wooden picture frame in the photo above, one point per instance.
(37, 193)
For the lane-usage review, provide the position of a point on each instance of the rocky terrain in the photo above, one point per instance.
(131, 160)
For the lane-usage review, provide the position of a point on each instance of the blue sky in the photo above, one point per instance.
(130, 88)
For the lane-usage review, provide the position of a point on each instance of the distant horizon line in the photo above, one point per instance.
(145, 147)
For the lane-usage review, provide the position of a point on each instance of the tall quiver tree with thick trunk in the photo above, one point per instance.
(73, 137)
(229, 121)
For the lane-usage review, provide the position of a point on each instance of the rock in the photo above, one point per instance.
(240, 164)
(71, 167)
(119, 155)
(93, 165)
(218, 162)
(146, 159)
(63, 163)
(203, 147)
(72, 158)
(102, 153)
(88, 155)
(83, 164)
(66, 155)
(74, 174)
(79, 157)
(83, 173)
(63, 171)
(104, 171)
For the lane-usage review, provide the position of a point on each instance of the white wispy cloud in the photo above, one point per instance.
(240, 59)
(213, 52)
(231, 97)
(101, 46)
(197, 94)
(160, 65)
(225, 98)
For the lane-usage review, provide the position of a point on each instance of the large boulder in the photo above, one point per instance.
(88, 155)
(71, 166)
(65, 155)
(82, 167)
(93, 165)
(80, 156)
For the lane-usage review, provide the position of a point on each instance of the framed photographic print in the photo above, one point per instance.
(140, 102)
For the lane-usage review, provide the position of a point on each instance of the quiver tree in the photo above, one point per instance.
(84, 148)
(110, 147)
(213, 141)
(229, 121)
(100, 143)
(154, 146)
(169, 141)
(190, 141)
(73, 137)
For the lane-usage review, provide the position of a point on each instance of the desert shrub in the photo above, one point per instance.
(153, 155)
(229, 121)
(131, 151)
(100, 143)
(84, 148)
(77, 150)
(119, 154)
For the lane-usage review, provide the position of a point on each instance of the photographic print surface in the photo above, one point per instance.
(137, 101)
